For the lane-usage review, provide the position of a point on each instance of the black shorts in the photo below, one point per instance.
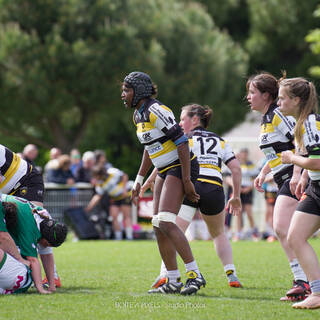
(212, 200)
(120, 202)
(176, 171)
(31, 186)
(284, 190)
(246, 198)
(310, 201)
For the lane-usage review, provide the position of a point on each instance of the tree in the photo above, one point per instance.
(62, 63)
(314, 39)
(277, 35)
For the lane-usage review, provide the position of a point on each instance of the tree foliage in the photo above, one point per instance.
(62, 63)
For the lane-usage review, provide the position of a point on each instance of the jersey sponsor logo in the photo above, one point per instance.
(154, 148)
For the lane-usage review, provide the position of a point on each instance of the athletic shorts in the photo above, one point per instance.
(282, 179)
(246, 198)
(176, 171)
(15, 277)
(310, 201)
(31, 187)
(212, 200)
(121, 202)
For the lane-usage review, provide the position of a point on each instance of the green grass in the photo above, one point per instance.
(109, 280)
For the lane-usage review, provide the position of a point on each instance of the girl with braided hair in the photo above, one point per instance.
(298, 98)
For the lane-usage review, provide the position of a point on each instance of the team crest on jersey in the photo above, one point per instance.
(147, 136)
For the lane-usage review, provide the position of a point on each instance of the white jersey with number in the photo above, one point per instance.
(211, 151)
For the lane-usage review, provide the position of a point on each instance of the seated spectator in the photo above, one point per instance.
(30, 153)
(62, 174)
(84, 174)
(53, 163)
(76, 162)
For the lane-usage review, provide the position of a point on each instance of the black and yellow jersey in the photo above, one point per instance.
(249, 172)
(311, 141)
(276, 136)
(159, 133)
(113, 185)
(211, 151)
(12, 169)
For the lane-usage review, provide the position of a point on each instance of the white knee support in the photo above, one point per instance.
(167, 217)
(187, 213)
(155, 221)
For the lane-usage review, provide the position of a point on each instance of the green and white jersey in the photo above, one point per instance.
(26, 234)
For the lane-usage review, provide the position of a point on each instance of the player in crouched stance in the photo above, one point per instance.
(166, 147)
(211, 151)
(28, 226)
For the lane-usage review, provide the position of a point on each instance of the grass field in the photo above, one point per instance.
(109, 280)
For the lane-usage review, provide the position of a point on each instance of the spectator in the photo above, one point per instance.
(76, 162)
(84, 173)
(62, 174)
(53, 162)
(30, 153)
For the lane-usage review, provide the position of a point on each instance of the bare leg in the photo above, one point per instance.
(283, 212)
(302, 227)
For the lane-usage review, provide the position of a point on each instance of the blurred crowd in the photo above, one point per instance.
(111, 187)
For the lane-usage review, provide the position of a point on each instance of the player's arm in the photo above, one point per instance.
(36, 274)
(93, 202)
(234, 204)
(149, 183)
(145, 166)
(48, 267)
(7, 244)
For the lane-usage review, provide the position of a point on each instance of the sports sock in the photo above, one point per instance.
(297, 270)
(230, 269)
(315, 286)
(174, 276)
(163, 270)
(118, 235)
(192, 266)
(129, 233)
(56, 276)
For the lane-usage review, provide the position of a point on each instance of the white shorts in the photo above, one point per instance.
(14, 276)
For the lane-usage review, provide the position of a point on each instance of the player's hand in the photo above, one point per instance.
(147, 185)
(258, 182)
(293, 184)
(190, 191)
(135, 194)
(234, 206)
(301, 187)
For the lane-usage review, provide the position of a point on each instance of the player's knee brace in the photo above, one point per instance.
(155, 221)
(167, 217)
(187, 213)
